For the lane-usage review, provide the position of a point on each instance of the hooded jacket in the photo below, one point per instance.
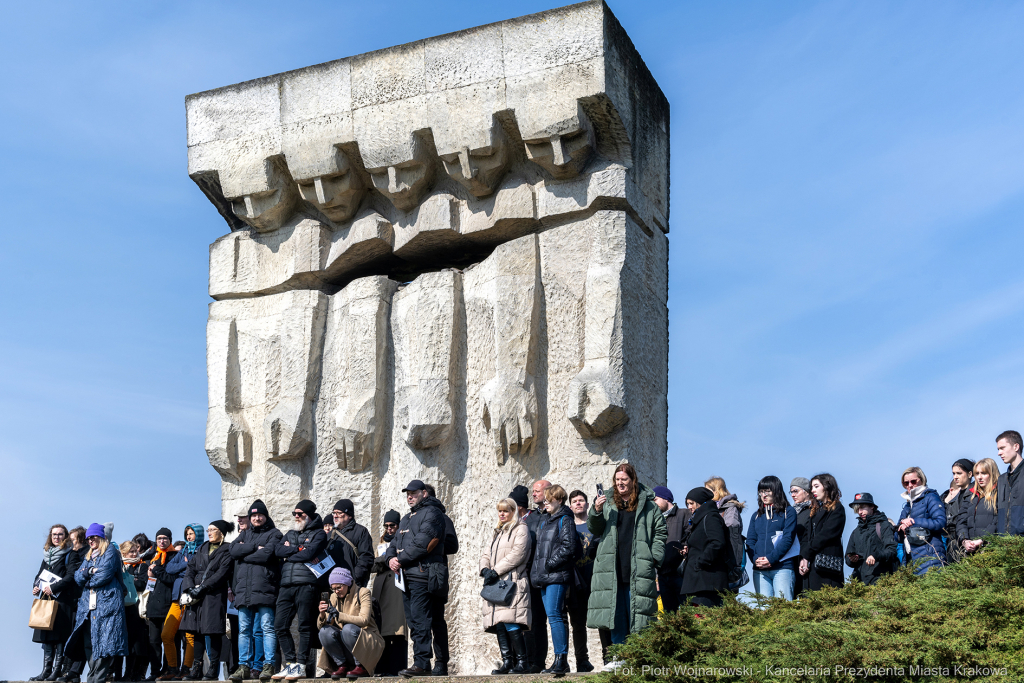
(557, 547)
(211, 572)
(707, 564)
(874, 537)
(762, 529)
(732, 515)
(977, 518)
(422, 524)
(928, 511)
(649, 533)
(303, 546)
(1010, 502)
(257, 567)
(359, 560)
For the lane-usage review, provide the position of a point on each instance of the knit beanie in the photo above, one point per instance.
(164, 531)
(392, 517)
(344, 505)
(663, 492)
(965, 464)
(521, 495)
(96, 530)
(700, 495)
(802, 483)
(224, 527)
(258, 508)
(307, 506)
(108, 530)
(340, 575)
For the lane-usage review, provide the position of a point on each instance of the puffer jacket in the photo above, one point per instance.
(929, 512)
(303, 546)
(649, 534)
(558, 545)
(107, 625)
(873, 537)
(507, 555)
(763, 528)
(257, 567)
(422, 524)
(977, 519)
(707, 562)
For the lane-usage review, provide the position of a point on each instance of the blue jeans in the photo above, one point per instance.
(257, 639)
(621, 630)
(248, 618)
(553, 597)
(775, 583)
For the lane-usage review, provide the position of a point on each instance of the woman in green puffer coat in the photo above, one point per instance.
(624, 592)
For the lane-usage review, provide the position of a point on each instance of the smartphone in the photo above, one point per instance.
(325, 597)
(600, 490)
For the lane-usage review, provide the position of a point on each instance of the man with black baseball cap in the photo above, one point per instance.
(418, 551)
(350, 544)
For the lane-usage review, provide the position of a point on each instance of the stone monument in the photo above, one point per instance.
(447, 261)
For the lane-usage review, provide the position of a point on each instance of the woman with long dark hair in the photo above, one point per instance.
(55, 549)
(771, 541)
(822, 561)
(624, 590)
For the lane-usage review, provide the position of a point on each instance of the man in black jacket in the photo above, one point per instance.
(537, 636)
(669, 580)
(349, 544)
(298, 596)
(1010, 487)
(257, 572)
(439, 627)
(418, 552)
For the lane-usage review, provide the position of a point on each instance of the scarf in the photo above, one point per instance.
(800, 507)
(192, 546)
(54, 555)
(161, 555)
(214, 546)
(387, 538)
(914, 494)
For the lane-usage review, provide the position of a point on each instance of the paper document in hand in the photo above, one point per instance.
(46, 577)
(400, 580)
(322, 564)
(382, 548)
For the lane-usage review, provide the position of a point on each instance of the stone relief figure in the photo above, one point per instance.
(595, 403)
(228, 439)
(480, 169)
(359, 351)
(294, 374)
(425, 317)
(406, 174)
(510, 400)
(266, 198)
(565, 152)
(337, 193)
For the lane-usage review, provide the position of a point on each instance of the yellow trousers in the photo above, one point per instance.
(170, 630)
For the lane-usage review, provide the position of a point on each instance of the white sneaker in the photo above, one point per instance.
(285, 670)
(613, 665)
(295, 672)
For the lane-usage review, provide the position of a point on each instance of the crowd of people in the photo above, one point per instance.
(165, 610)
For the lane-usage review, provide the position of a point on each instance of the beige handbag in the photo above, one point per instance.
(44, 614)
(143, 603)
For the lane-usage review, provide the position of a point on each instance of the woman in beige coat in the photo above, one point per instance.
(348, 632)
(505, 558)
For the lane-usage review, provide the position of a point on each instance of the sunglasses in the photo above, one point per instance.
(390, 525)
(909, 483)
(298, 514)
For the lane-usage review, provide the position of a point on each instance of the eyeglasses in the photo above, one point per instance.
(57, 533)
(911, 483)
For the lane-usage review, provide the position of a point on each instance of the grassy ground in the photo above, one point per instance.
(963, 623)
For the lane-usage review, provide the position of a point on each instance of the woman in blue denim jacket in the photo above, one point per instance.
(771, 536)
(100, 633)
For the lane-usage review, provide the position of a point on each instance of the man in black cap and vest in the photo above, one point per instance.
(350, 544)
(298, 594)
(439, 627)
(418, 553)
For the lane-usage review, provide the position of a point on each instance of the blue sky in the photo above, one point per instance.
(846, 292)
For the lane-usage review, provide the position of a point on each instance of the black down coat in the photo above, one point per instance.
(257, 569)
(358, 560)
(558, 546)
(976, 519)
(65, 607)
(303, 546)
(421, 525)
(706, 567)
(874, 537)
(212, 573)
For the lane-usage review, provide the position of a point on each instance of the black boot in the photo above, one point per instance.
(506, 652)
(47, 664)
(559, 667)
(518, 644)
(196, 672)
(58, 663)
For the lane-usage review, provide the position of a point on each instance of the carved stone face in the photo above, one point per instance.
(271, 203)
(564, 155)
(479, 170)
(404, 183)
(338, 195)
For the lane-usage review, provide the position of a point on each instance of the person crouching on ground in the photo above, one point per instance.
(348, 631)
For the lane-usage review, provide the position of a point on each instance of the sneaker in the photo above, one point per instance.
(241, 674)
(613, 665)
(294, 672)
(279, 676)
(267, 673)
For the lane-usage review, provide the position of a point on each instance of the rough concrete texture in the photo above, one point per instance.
(448, 260)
